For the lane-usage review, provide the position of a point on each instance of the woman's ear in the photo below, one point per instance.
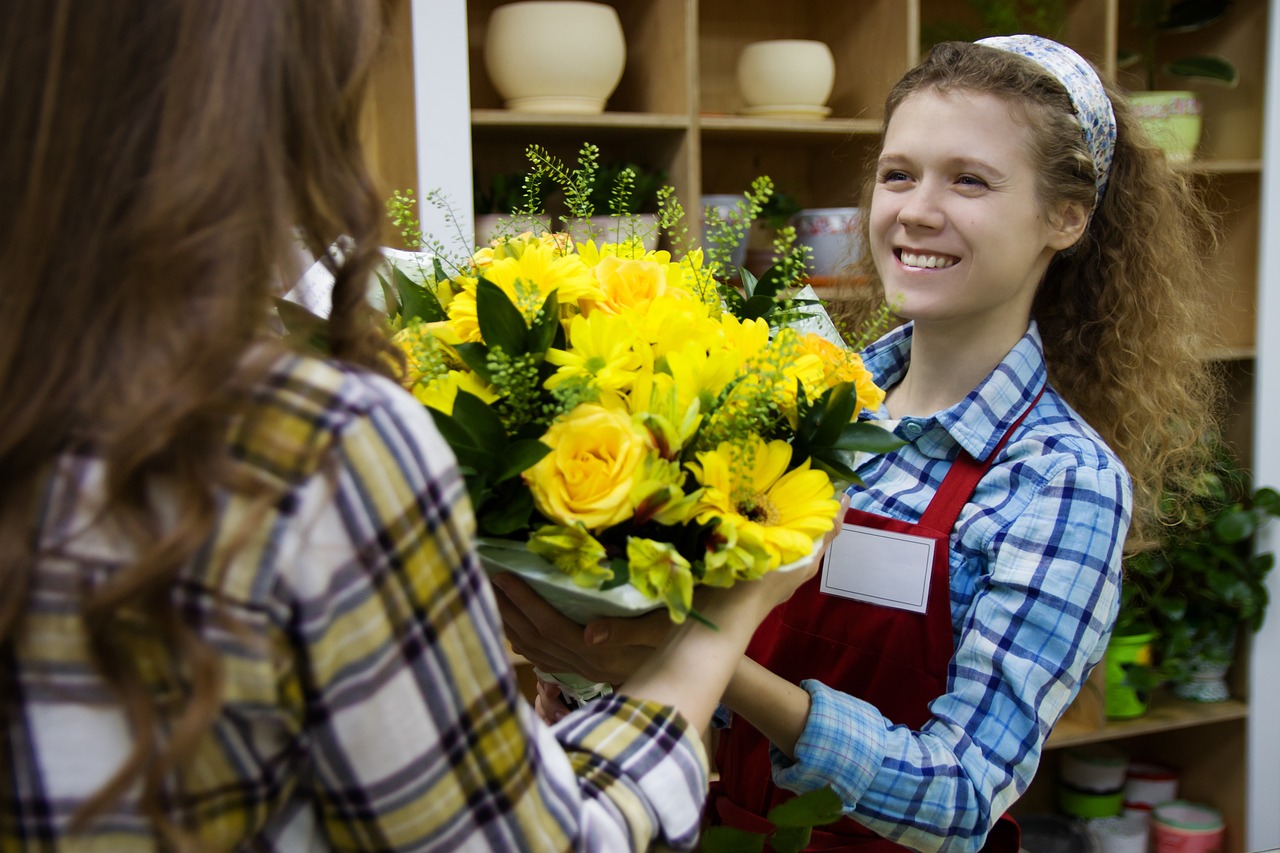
(1068, 226)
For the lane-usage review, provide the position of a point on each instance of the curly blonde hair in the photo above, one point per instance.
(1122, 313)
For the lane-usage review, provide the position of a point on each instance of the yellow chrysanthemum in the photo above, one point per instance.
(661, 572)
(748, 485)
(701, 375)
(603, 348)
(844, 365)
(527, 280)
(672, 323)
(441, 392)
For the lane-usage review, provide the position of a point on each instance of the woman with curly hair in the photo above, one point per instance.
(1048, 387)
(240, 604)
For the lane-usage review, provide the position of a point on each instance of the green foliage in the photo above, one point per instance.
(793, 823)
(1000, 18)
(1154, 18)
(1203, 581)
(401, 210)
(507, 192)
(622, 188)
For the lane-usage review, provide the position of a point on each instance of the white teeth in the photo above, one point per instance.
(928, 262)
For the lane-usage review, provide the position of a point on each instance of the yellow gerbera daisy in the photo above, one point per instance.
(748, 485)
(603, 348)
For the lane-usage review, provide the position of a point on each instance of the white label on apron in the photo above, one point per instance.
(879, 567)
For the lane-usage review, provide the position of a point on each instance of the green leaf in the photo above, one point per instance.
(501, 323)
(1185, 16)
(1214, 69)
(773, 282)
(476, 357)
(479, 418)
(303, 328)
(389, 296)
(813, 808)
(868, 437)
(790, 839)
(1234, 525)
(543, 333)
(509, 514)
(416, 302)
(729, 839)
(835, 408)
(518, 457)
(748, 282)
(758, 307)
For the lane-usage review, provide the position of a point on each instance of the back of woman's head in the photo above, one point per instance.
(1120, 312)
(160, 158)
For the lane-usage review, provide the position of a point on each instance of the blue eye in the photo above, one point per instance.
(971, 181)
(893, 175)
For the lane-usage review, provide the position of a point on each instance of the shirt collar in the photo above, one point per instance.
(980, 420)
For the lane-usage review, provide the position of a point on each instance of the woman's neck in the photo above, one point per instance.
(944, 368)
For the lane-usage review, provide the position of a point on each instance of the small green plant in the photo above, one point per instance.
(1156, 18)
(622, 188)
(505, 192)
(1202, 581)
(1000, 18)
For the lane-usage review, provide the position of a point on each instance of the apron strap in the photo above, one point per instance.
(962, 478)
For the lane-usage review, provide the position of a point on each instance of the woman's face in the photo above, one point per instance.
(957, 232)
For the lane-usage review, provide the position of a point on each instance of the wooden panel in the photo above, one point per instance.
(1234, 270)
(388, 125)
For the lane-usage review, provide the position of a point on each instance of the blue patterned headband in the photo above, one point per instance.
(1093, 107)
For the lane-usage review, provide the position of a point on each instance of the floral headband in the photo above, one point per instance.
(1093, 107)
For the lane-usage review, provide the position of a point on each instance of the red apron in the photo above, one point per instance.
(895, 659)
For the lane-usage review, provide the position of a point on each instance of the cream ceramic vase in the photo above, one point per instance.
(786, 75)
(557, 56)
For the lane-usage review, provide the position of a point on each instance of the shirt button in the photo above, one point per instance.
(912, 429)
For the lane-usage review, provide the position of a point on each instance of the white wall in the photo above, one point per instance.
(1263, 806)
(442, 93)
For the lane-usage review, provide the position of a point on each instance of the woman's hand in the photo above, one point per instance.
(606, 650)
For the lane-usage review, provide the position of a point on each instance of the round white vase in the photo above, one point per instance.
(562, 56)
(786, 75)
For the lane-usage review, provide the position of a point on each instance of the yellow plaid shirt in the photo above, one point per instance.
(371, 705)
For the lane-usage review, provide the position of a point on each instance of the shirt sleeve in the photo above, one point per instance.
(417, 735)
(1038, 622)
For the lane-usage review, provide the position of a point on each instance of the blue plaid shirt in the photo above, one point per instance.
(1035, 580)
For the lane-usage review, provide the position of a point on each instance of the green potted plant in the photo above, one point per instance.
(497, 200)
(1129, 663)
(1204, 582)
(622, 198)
(1173, 117)
(998, 18)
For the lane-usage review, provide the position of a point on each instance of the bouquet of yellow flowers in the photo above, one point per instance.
(629, 426)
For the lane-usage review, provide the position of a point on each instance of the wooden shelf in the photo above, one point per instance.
(521, 120)
(1166, 713)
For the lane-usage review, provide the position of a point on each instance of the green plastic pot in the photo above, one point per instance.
(1123, 702)
(1171, 120)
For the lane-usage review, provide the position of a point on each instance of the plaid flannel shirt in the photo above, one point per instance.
(1035, 578)
(369, 701)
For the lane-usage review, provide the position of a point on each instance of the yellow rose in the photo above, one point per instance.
(627, 284)
(587, 478)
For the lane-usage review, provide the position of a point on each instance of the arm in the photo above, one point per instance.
(417, 733)
(1034, 596)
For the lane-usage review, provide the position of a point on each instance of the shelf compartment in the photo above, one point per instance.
(1166, 713)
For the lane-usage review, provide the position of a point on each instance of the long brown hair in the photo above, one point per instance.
(1121, 313)
(160, 158)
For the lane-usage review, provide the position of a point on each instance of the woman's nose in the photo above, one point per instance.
(921, 208)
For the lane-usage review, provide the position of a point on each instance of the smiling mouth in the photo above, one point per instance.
(925, 262)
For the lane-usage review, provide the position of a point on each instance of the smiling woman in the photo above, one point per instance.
(1048, 263)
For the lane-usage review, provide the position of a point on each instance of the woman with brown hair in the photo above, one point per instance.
(239, 601)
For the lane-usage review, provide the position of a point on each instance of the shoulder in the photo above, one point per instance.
(1054, 449)
(305, 406)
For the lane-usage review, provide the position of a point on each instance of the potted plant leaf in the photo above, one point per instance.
(1205, 581)
(1172, 118)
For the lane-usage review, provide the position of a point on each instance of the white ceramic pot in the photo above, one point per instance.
(786, 75)
(834, 235)
(562, 56)
(612, 229)
(1172, 120)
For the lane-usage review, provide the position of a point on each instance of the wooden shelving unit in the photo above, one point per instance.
(677, 109)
